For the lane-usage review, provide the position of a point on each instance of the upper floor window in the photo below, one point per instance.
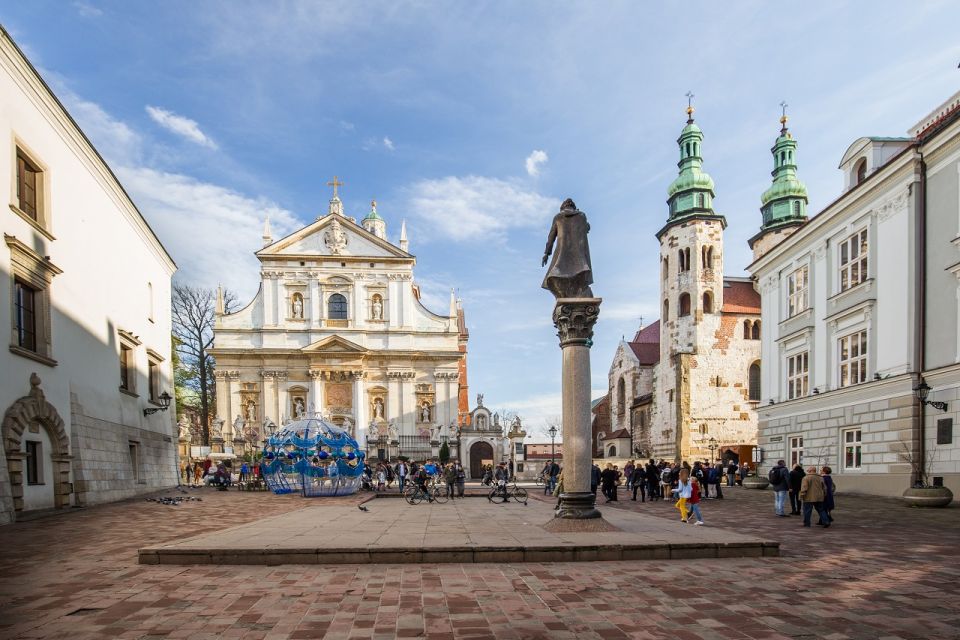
(754, 382)
(684, 304)
(684, 257)
(153, 380)
(337, 307)
(621, 396)
(853, 260)
(666, 266)
(853, 358)
(797, 291)
(126, 368)
(861, 170)
(751, 329)
(28, 186)
(797, 375)
(25, 314)
(701, 200)
(706, 255)
(666, 310)
(708, 302)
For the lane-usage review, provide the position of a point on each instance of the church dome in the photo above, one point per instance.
(691, 179)
(312, 457)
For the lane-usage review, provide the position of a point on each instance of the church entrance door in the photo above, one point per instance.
(481, 453)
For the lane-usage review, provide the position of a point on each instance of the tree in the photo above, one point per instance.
(193, 313)
(444, 453)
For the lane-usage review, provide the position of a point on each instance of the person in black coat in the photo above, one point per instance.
(594, 479)
(653, 481)
(608, 482)
(639, 481)
(794, 479)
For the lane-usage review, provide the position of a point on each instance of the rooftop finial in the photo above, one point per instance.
(690, 97)
(783, 116)
(335, 183)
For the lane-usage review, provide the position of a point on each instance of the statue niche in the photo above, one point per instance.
(297, 307)
(376, 307)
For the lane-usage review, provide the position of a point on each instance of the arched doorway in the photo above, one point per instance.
(37, 452)
(730, 455)
(481, 453)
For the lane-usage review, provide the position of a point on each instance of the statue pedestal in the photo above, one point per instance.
(239, 446)
(574, 319)
(216, 444)
(183, 446)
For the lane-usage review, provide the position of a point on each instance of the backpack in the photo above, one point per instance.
(776, 475)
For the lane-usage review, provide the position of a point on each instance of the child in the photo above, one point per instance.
(381, 479)
(694, 502)
(684, 491)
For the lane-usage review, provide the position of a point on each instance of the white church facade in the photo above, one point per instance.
(338, 329)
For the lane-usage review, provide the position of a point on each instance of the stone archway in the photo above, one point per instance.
(479, 452)
(31, 413)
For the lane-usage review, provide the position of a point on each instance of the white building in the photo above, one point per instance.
(87, 286)
(337, 328)
(859, 304)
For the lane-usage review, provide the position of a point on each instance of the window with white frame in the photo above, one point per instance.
(797, 291)
(795, 452)
(798, 367)
(853, 358)
(853, 260)
(852, 449)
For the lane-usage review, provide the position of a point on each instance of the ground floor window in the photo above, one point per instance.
(34, 461)
(852, 449)
(796, 451)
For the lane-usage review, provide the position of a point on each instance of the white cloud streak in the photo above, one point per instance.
(388, 144)
(476, 207)
(535, 161)
(181, 126)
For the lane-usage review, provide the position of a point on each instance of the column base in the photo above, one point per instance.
(578, 506)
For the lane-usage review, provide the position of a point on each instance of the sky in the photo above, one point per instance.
(472, 121)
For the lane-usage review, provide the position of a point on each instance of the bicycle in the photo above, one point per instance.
(504, 492)
(415, 494)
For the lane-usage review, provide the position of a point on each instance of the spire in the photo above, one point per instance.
(785, 202)
(453, 303)
(691, 193)
(404, 244)
(220, 303)
(267, 232)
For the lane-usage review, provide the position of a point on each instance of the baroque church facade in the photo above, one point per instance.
(687, 386)
(338, 329)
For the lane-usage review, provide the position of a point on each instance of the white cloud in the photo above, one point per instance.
(116, 142)
(476, 207)
(346, 126)
(87, 10)
(535, 160)
(388, 143)
(183, 127)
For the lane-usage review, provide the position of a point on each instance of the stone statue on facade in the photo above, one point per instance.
(425, 413)
(378, 409)
(218, 428)
(297, 307)
(335, 239)
(479, 399)
(377, 309)
(238, 428)
(251, 411)
(299, 410)
(184, 427)
(570, 273)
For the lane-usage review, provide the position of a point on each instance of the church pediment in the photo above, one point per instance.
(333, 235)
(335, 344)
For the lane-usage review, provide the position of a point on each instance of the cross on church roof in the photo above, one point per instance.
(335, 183)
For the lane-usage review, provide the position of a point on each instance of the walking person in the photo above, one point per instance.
(683, 492)
(402, 471)
(828, 503)
(608, 481)
(461, 478)
(732, 473)
(450, 477)
(638, 480)
(744, 472)
(693, 503)
(700, 477)
(718, 480)
(779, 478)
(813, 491)
(653, 480)
(795, 478)
(594, 479)
(554, 474)
(381, 477)
(628, 474)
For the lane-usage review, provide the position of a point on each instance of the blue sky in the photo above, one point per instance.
(472, 121)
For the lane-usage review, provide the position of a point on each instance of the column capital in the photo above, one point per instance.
(574, 319)
(315, 374)
(234, 375)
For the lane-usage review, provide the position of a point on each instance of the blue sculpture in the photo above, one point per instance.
(313, 457)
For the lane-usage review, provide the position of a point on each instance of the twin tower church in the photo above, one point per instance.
(687, 386)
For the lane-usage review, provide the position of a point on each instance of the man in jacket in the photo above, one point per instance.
(796, 477)
(779, 478)
(594, 479)
(608, 480)
(402, 471)
(812, 492)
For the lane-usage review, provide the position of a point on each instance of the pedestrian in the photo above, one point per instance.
(653, 480)
(744, 472)
(828, 503)
(693, 503)
(628, 474)
(381, 477)
(813, 491)
(638, 480)
(461, 478)
(683, 492)
(732, 473)
(450, 476)
(608, 482)
(795, 478)
(779, 482)
(559, 490)
(244, 471)
(197, 473)
(390, 475)
(545, 474)
(718, 480)
(594, 479)
(700, 477)
(402, 471)
(554, 474)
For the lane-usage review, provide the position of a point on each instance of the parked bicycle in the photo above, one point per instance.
(415, 494)
(502, 492)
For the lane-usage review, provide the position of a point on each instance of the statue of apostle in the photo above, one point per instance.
(570, 274)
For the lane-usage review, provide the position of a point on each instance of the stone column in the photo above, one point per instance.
(316, 391)
(359, 409)
(267, 402)
(283, 398)
(574, 319)
(223, 395)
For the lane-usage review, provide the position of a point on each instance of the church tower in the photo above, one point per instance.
(374, 223)
(784, 204)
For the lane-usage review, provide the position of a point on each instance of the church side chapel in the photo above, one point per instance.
(338, 330)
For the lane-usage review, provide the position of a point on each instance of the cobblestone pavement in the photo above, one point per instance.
(883, 571)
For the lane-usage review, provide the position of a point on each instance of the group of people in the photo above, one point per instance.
(654, 480)
(808, 491)
(383, 476)
(221, 474)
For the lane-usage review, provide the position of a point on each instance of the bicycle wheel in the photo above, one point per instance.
(520, 495)
(410, 494)
(440, 495)
(498, 495)
(539, 481)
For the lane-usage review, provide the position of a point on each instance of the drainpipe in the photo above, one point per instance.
(921, 339)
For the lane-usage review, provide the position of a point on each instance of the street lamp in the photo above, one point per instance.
(713, 447)
(922, 390)
(553, 434)
(164, 404)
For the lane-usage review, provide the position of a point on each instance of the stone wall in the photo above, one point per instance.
(102, 466)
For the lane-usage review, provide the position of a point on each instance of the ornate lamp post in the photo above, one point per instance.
(553, 435)
(165, 404)
(922, 390)
(712, 447)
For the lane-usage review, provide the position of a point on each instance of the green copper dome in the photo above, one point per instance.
(373, 215)
(692, 190)
(785, 202)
